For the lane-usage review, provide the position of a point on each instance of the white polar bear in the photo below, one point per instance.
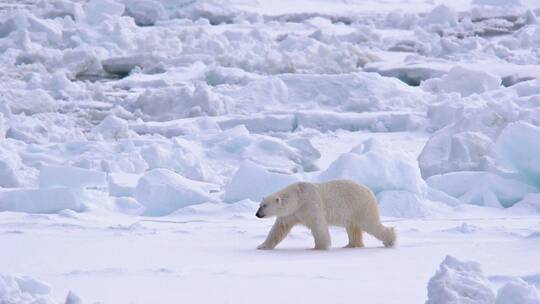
(316, 205)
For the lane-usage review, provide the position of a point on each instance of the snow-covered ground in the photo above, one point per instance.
(209, 257)
(137, 137)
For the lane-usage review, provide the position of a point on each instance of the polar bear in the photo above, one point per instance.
(317, 205)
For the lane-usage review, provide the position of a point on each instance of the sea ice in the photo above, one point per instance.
(463, 80)
(70, 177)
(373, 165)
(481, 188)
(517, 291)
(518, 148)
(406, 204)
(49, 200)
(24, 290)
(254, 182)
(162, 191)
(459, 282)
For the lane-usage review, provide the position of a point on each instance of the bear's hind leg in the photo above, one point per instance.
(385, 234)
(355, 237)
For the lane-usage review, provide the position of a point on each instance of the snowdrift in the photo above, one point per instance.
(459, 282)
(464, 282)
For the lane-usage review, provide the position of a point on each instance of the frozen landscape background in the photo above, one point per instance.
(137, 137)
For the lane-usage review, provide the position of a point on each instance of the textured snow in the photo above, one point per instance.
(40, 200)
(481, 188)
(529, 204)
(459, 282)
(372, 164)
(10, 163)
(518, 291)
(137, 138)
(112, 127)
(406, 204)
(441, 14)
(254, 182)
(70, 177)
(162, 191)
(463, 81)
(122, 184)
(24, 290)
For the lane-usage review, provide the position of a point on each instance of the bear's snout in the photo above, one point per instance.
(259, 213)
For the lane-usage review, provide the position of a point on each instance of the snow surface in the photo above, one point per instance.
(137, 137)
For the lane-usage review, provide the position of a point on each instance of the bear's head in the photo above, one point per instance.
(281, 203)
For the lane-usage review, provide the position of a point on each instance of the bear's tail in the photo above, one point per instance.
(389, 238)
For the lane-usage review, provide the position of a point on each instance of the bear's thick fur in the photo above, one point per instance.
(317, 205)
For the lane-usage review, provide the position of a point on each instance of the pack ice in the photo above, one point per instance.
(137, 139)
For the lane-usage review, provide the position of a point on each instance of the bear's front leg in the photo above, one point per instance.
(279, 231)
(321, 235)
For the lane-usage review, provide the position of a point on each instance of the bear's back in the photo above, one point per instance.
(344, 199)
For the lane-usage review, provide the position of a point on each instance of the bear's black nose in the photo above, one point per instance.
(259, 214)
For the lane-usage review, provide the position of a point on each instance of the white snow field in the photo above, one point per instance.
(138, 136)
